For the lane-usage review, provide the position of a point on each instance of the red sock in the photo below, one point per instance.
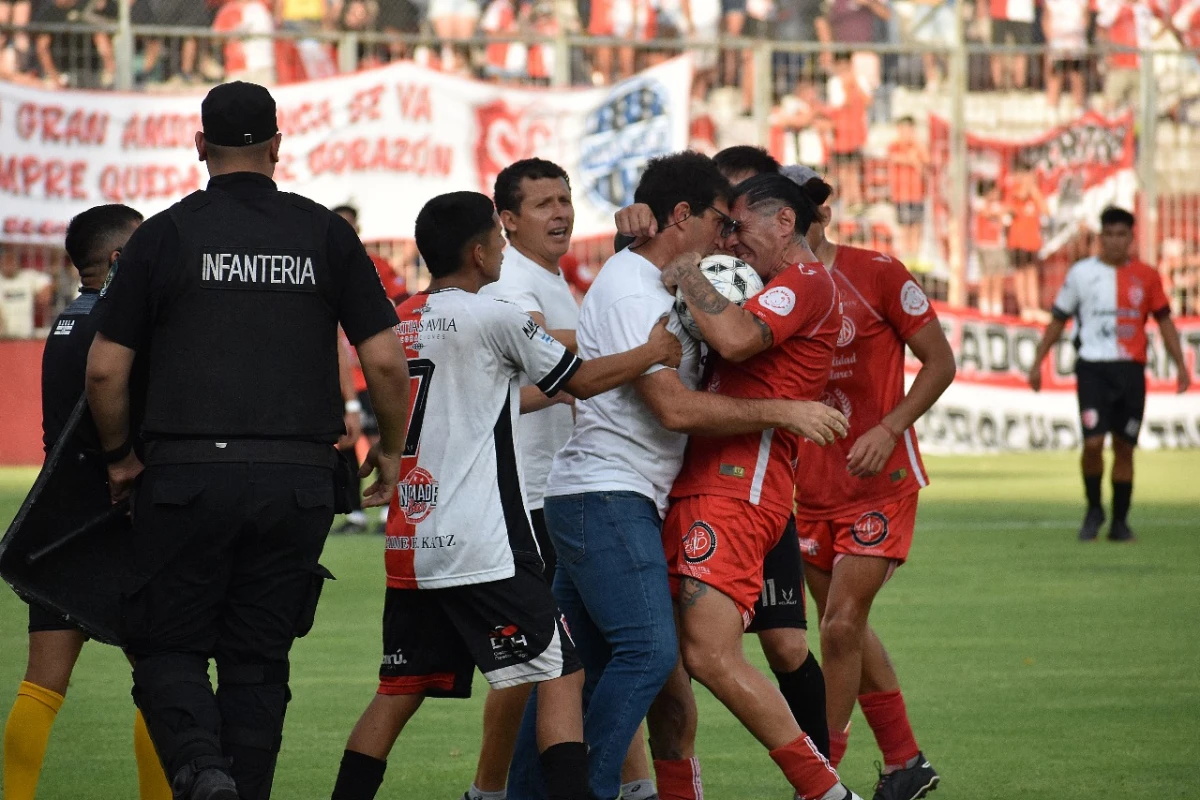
(678, 779)
(837, 745)
(805, 768)
(888, 719)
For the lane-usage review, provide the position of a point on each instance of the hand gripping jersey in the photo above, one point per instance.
(801, 306)
(1110, 306)
(459, 511)
(882, 306)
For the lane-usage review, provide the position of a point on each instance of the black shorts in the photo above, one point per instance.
(1008, 32)
(50, 13)
(1112, 398)
(511, 629)
(781, 604)
(1061, 66)
(1022, 259)
(545, 546)
(853, 158)
(45, 619)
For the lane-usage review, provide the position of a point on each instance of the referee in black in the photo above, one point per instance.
(233, 297)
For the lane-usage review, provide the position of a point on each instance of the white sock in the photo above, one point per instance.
(477, 794)
(638, 790)
(838, 792)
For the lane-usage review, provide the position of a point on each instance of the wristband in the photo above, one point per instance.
(895, 436)
(353, 407)
(119, 453)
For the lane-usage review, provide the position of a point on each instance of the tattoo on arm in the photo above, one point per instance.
(700, 293)
(764, 332)
(691, 590)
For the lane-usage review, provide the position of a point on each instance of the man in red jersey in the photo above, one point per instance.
(854, 531)
(733, 496)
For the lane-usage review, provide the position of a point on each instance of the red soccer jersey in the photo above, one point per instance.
(882, 306)
(801, 306)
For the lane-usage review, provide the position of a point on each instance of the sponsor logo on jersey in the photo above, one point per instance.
(846, 334)
(64, 327)
(395, 659)
(508, 642)
(776, 597)
(732, 470)
(843, 361)
(1090, 418)
(1132, 428)
(779, 299)
(418, 542)
(871, 529)
(699, 543)
(530, 329)
(418, 495)
(913, 299)
(258, 270)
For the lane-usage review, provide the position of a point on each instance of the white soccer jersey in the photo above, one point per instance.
(531, 288)
(618, 443)
(459, 511)
(1110, 306)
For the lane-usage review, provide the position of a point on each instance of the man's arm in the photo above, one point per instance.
(1170, 336)
(682, 410)
(871, 451)
(386, 369)
(534, 399)
(107, 385)
(599, 375)
(564, 335)
(1049, 338)
(733, 332)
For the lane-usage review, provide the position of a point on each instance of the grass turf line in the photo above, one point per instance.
(1032, 665)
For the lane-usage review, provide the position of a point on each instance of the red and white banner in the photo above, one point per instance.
(1080, 168)
(385, 140)
(990, 406)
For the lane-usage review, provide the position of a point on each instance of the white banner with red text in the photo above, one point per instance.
(385, 140)
(990, 406)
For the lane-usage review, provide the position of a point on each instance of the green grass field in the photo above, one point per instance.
(1033, 665)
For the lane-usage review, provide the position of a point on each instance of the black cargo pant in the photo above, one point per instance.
(227, 570)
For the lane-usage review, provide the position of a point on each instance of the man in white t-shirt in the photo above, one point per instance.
(464, 576)
(23, 293)
(608, 486)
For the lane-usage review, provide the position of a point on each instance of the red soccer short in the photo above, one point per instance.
(884, 532)
(721, 542)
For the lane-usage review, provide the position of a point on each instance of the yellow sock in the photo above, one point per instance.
(152, 782)
(25, 739)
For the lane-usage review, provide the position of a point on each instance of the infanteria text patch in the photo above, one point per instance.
(288, 270)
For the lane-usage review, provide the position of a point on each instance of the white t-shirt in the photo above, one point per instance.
(618, 443)
(18, 296)
(459, 510)
(1067, 23)
(530, 287)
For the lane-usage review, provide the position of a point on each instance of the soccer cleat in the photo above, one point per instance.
(1091, 525)
(908, 783)
(1119, 532)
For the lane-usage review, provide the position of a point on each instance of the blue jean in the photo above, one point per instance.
(611, 583)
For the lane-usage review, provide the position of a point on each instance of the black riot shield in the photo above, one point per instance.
(68, 548)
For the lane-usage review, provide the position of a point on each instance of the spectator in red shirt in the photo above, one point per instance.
(1026, 207)
(908, 162)
(988, 221)
(1124, 24)
(849, 101)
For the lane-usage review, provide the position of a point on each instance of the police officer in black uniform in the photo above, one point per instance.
(234, 296)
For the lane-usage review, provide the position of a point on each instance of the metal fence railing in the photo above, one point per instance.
(918, 137)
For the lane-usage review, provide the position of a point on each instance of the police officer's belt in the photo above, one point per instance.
(261, 451)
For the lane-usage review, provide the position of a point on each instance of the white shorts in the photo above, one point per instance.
(453, 8)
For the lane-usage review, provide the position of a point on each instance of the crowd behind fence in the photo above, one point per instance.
(921, 113)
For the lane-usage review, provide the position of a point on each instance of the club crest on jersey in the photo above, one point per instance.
(417, 495)
(1136, 295)
(1090, 418)
(913, 299)
(699, 543)
(870, 529)
(846, 335)
(836, 398)
(780, 299)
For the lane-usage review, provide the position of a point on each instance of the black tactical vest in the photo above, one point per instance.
(243, 340)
